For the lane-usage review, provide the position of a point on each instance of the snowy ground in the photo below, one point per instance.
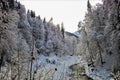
(99, 73)
(58, 68)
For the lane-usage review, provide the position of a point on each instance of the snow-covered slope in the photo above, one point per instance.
(57, 67)
(33, 49)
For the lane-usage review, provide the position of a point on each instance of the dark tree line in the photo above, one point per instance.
(9, 4)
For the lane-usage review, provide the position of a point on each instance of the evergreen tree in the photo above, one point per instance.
(89, 6)
(118, 11)
(28, 11)
(11, 4)
(44, 20)
(3, 4)
(58, 26)
(39, 17)
(80, 24)
(62, 29)
(32, 14)
(51, 19)
(19, 5)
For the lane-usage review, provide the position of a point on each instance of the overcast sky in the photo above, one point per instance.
(70, 12)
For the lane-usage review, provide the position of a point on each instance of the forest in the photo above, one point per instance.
(32, 48)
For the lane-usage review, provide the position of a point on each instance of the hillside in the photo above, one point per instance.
(32, 48)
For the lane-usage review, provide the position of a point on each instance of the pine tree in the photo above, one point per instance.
(19, 5)
(58, 26)
(89, 6)
(3, 3)
(28, 11)
(39, 17)
(80, 24)
(32, 14)
(11, 4)
(44, 20)
(62, 29)
(118, 12)
(1, 59)
(51, 19)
